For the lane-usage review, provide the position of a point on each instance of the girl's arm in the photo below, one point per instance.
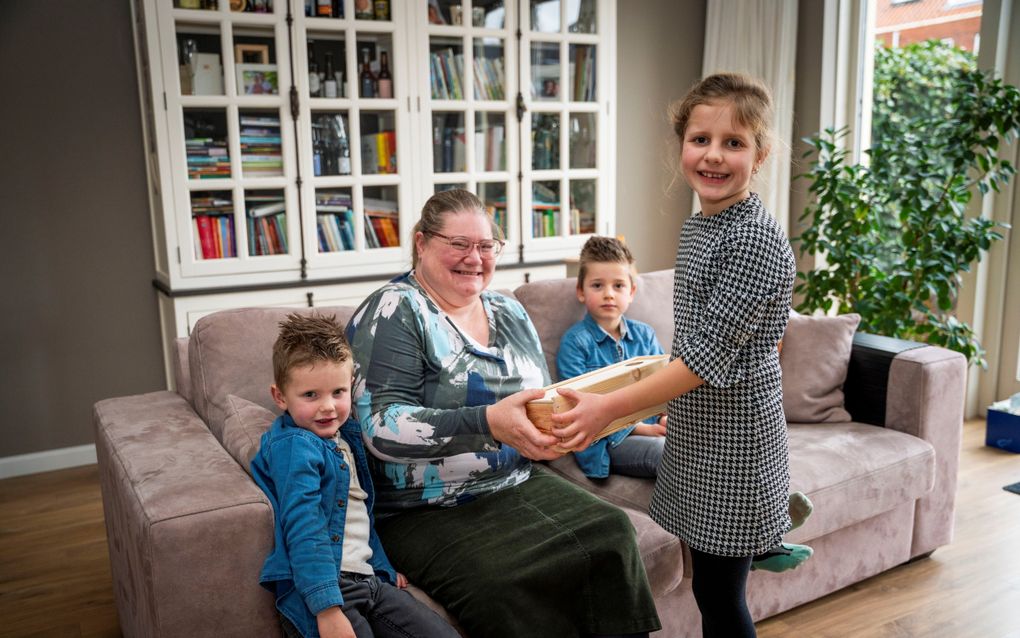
(592, 412)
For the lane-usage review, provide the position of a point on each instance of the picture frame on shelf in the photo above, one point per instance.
(257, 79)
(251, 53)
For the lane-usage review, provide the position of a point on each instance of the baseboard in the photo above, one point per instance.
(46, 461)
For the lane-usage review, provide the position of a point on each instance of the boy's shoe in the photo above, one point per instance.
(800, 507)
(782, 557)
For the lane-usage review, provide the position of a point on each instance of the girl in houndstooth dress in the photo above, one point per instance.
(723, 483)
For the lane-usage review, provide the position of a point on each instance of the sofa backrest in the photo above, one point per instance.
(553, 307)
(230, 352)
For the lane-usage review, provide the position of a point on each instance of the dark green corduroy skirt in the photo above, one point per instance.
(544, 558)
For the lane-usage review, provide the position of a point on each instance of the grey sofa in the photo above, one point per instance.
(188, 529)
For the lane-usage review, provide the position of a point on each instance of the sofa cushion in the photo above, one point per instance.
(814, 358)
(553, 307)
(229, 352)
(243, 428)
(850, 471)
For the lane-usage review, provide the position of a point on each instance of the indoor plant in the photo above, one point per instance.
(894, 229)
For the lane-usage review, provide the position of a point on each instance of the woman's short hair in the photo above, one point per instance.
(456, 200)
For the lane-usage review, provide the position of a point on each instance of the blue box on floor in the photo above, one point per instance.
(1003, 430)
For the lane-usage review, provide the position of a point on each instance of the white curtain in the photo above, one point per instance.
(759, 37)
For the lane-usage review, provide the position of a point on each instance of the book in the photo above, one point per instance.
(601, 381)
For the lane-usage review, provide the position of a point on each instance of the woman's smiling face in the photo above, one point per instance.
(458, 278)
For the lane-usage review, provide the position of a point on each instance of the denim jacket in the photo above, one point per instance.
(307, 481)
(586, 347)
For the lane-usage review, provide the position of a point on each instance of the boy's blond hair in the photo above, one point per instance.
(306, 340)
(603, 250)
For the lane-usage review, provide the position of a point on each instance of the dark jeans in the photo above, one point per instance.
(720, 584)
(380, 610)
(637, 455)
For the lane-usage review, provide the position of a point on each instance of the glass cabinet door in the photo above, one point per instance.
(353, 125)
(565, 163)
(470, 112)
(226, 113)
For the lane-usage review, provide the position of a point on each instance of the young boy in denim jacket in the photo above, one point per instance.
(606, 287)
(327, 569)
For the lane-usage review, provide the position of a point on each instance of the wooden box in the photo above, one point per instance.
(599, 381)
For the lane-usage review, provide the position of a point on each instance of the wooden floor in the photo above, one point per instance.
(55, 578)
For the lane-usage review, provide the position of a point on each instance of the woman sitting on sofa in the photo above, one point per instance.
(442, 368)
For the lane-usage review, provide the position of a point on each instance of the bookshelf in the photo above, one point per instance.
(279, 170)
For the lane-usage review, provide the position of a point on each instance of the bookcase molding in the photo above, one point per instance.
(266, 180)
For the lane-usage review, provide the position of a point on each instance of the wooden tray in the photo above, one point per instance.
(601, 381)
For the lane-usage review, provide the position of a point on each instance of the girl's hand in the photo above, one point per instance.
(509, 424)
(334, 624)
(579, 425)
(401, 581)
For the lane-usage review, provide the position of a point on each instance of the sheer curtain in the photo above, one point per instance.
(759, 37)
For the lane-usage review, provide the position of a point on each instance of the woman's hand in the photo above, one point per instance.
(401, 581)
(509, 424)
(578, 426)
(334, 624)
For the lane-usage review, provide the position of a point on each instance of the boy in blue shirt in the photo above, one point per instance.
(327, 569)
(606, 287)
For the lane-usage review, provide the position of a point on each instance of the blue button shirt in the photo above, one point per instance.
(586, 347)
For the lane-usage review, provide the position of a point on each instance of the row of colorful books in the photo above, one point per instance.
(267, 235)
(489, 79)
(447, 69)
(379, 153)
(214, 236)
(382, 223)
(207, 158)
(545, 220)
(261, 153)
(335, 231)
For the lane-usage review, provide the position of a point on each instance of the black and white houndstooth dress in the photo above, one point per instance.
(724, 478)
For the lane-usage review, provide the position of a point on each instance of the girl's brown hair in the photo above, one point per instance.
(751, 100)
(456, 200)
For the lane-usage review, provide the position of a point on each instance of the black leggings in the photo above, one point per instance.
(720, 584)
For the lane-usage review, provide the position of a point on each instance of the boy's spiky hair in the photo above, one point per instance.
(603, 250)
(306, 340)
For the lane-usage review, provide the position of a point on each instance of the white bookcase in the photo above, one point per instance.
(252, 201)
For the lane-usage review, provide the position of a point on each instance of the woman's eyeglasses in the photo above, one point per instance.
(463, 245)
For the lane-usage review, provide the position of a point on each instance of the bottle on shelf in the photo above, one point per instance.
(314, 87)
(385, 80)
(324, 8)
(317, 149)
(381, 9)
(367, 78)
(344, 154)
(363, 10)
(329, 88)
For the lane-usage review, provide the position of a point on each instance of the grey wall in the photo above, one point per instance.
(79, 316)
(659, 53)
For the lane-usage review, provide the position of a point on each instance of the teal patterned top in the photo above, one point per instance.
(420, 390)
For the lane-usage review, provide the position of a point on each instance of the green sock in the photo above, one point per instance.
(782, 557)
(800, 507)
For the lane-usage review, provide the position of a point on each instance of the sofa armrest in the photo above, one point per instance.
(925, 398)
(187, 528)
(917, 389)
